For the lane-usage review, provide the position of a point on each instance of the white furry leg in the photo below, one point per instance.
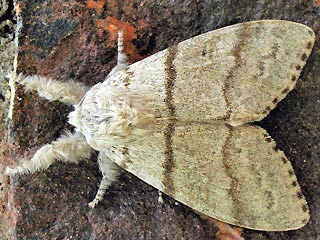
(122, 57)
(66, 92)
(68, 148)
(110, 172)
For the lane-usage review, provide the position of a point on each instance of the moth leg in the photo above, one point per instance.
(122, 61)
(67, 92)
(160, 199)
(110, 172)
(68, 148)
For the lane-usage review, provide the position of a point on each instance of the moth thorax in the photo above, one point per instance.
(108, 121)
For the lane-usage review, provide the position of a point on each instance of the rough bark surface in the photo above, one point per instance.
(77, 40)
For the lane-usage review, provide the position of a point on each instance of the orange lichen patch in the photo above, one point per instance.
(226, 232)
(97, 5)
(18, 9)
(113, 26)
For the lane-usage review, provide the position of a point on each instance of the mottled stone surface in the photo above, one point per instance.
(76, 39)
(8, 52)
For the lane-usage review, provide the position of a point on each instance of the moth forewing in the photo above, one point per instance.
(202, 92)
(237, 74)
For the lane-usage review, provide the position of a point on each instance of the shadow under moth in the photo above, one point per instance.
(180, 120)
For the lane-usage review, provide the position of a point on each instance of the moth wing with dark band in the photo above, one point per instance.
(233, 174)
(237, 73)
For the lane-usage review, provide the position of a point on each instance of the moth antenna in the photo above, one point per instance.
(122, 57)
(122, 60)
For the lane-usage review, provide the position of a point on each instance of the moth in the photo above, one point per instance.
(181, 120)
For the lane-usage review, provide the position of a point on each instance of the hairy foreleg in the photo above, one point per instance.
(110, 172)
(67, 92)
(68, 148)
(122, 61)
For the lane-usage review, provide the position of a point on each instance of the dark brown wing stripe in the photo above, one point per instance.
(237, 209)
(168, 165)
(243, 37)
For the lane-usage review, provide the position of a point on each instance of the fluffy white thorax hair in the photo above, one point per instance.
(108, 116)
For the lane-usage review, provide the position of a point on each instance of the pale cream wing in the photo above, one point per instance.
(237, 73)
(233, 174)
